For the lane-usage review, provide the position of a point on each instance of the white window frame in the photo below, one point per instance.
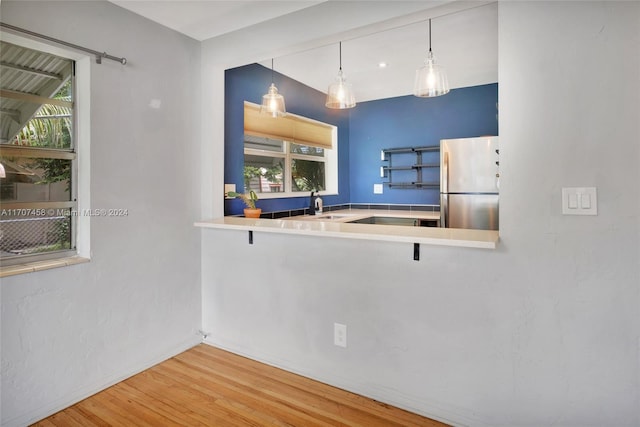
(330, 159)
(81, 171)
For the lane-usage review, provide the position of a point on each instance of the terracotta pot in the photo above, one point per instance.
(252, 213)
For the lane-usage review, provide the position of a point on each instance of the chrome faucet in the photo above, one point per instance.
(312, 206)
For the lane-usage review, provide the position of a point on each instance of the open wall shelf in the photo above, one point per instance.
(417, 165)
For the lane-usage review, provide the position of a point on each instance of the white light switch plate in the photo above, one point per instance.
(579, 201)
(377, 188)
(227, 188)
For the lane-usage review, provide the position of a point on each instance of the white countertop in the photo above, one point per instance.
(337, 227)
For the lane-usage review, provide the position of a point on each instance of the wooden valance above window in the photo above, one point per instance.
(291, 127)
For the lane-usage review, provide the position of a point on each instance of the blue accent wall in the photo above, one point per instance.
(362, 133)
(409, 121)
(249, 83)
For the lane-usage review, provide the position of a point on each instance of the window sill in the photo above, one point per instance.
(31, 267)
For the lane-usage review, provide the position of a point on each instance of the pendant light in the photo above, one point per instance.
(340, 94)
(431, 78)
(272, 101)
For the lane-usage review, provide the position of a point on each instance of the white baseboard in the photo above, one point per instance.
(84, 392)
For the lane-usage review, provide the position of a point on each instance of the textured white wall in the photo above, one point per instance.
(543, 330)
(68, 332)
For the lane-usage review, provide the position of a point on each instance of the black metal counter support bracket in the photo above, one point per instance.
(416, 251)
(250, 237)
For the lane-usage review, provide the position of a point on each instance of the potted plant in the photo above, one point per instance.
(249, 200)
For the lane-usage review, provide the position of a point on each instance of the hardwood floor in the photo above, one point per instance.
(206, 386)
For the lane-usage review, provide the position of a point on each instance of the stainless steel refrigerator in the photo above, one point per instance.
(469, 183)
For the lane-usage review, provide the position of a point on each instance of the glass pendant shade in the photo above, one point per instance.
(431, 79)
(273, 102)
(340, 94)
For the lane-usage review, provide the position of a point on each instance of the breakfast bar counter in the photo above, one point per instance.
(335, 224)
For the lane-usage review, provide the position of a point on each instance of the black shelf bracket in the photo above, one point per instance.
(251, 237)
(416, 251)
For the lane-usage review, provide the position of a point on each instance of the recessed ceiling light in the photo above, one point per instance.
(382, 65)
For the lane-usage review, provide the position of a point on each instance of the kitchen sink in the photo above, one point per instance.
(392, 220)
(332, 216)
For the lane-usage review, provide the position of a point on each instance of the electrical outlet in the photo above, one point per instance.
(340, 335)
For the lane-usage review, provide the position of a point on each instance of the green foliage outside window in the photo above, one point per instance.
(50, 128)
(307, 175)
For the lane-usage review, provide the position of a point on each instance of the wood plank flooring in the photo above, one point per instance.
(206, 386)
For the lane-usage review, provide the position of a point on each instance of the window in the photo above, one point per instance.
(38, 154)
(276, 166)
(288, 156)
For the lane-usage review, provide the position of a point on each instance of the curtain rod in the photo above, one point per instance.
(98, 55)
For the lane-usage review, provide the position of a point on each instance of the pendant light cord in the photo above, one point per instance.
(340, 56)
(429, 35)
(271, 70)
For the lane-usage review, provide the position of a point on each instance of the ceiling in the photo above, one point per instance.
(205, 19)
(464, 37)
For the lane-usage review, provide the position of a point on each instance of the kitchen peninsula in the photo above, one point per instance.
(337, 224)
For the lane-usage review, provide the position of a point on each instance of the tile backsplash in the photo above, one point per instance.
(364, 206)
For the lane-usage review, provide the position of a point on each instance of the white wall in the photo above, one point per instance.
(68, 332)
(543, 330)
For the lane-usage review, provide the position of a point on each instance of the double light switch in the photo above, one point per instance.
(579, 201)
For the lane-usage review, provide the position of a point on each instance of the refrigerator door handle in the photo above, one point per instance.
(444, 187)
(444, 210)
